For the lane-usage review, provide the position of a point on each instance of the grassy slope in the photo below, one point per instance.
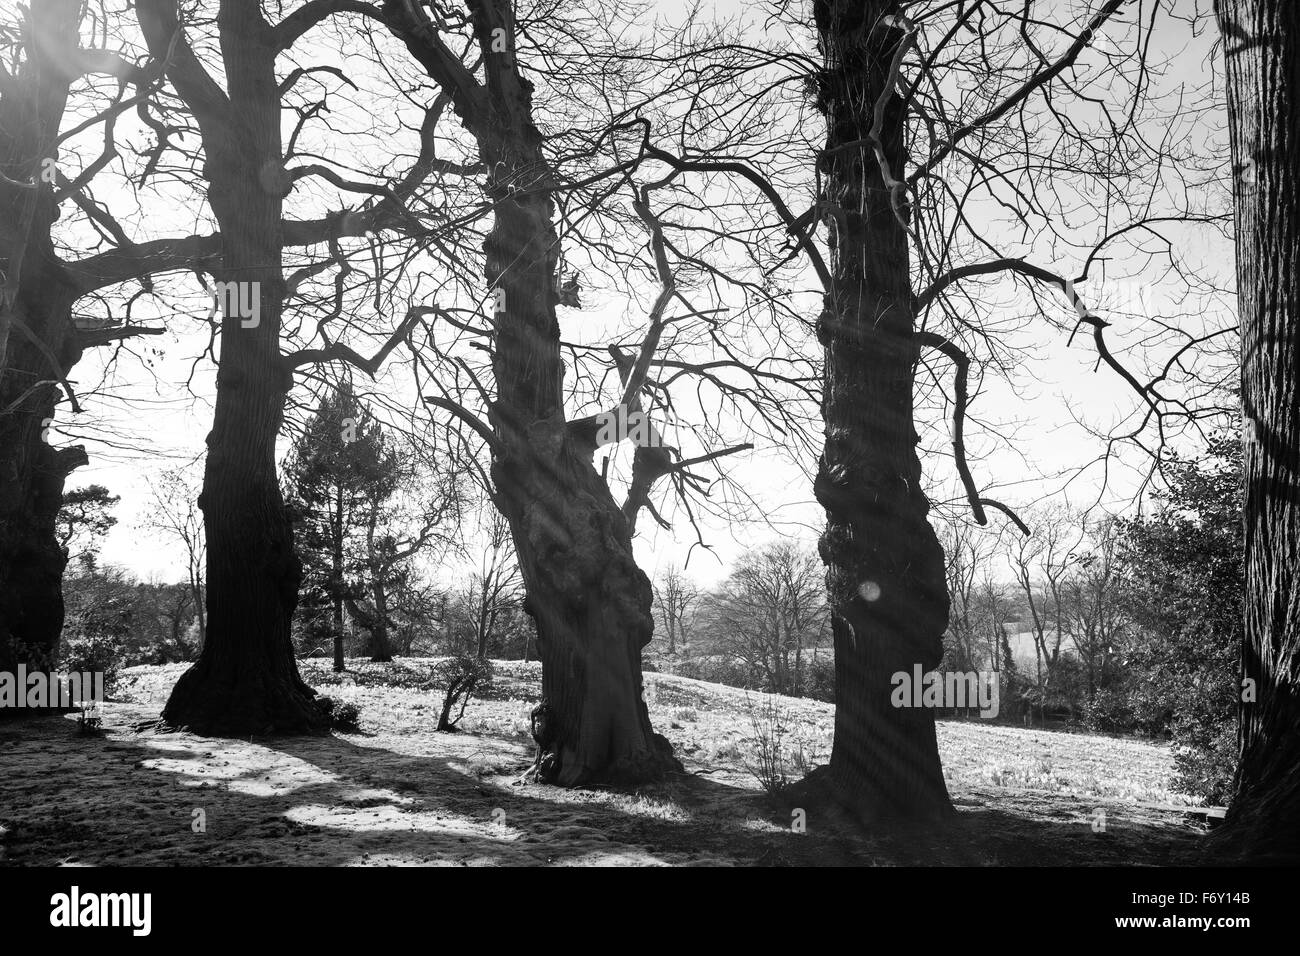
(399, 793)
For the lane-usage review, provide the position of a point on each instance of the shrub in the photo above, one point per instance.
(1110, 711)
(90, 721)
(768, 763)
(819, 680)
(716, 670)
(88, 647)
(344, 716)
(1205, 754)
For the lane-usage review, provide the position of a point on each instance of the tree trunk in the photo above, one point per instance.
(246, 679)
(200, 608)
(483, 625)
(590, 601)
(37, 295)
(1262, 51)
(381, 652)
(583, 588)
(336, 557)
(32, 476)
(885, 568)
(444, 718)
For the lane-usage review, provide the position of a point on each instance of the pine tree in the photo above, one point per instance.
(330, 477)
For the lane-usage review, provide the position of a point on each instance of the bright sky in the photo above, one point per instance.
(1035, 454)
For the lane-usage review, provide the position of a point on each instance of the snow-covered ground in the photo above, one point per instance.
(397, 792)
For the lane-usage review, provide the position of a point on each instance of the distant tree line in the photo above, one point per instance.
(1114, 624)
(1134, 622)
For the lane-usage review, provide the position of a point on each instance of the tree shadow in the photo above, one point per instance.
(326, 801)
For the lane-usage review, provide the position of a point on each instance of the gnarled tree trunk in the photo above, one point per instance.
(1262, 49)
(885, 568)
(38, 342)
(590, 601)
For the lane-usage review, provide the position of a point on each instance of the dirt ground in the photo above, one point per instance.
(399, 793)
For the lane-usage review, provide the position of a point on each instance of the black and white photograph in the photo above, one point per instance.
(767, 434)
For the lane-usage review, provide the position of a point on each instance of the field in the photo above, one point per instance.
(396, 792)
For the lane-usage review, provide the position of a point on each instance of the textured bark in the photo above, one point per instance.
(246, 679)
(39, 294)
(590, 601)
(380, 646)
(885, 568)
(1262, 51)
(32, 476)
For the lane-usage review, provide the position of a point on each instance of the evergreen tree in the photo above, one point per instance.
(331, 477)
(1182, 583)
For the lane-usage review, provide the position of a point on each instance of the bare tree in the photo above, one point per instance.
(493, 589)
(939, 118)
(412, 507)
(573, 539)
(40, 341)
(769, 613)
(246, 680)
(676, 597)
(44, 282)
(1095, 614)
(175, 513)
(995, 607)
(968, 556)
(1042, 564)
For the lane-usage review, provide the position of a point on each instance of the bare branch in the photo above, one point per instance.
(288, 30)
(961, 362)
(1037, 81)
(166, 40)
(469, 418)
(1015, 518)
(324, 172)
(636, 378)
(337, 351)
(93, 338)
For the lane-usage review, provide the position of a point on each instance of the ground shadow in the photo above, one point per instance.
(127, 798)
